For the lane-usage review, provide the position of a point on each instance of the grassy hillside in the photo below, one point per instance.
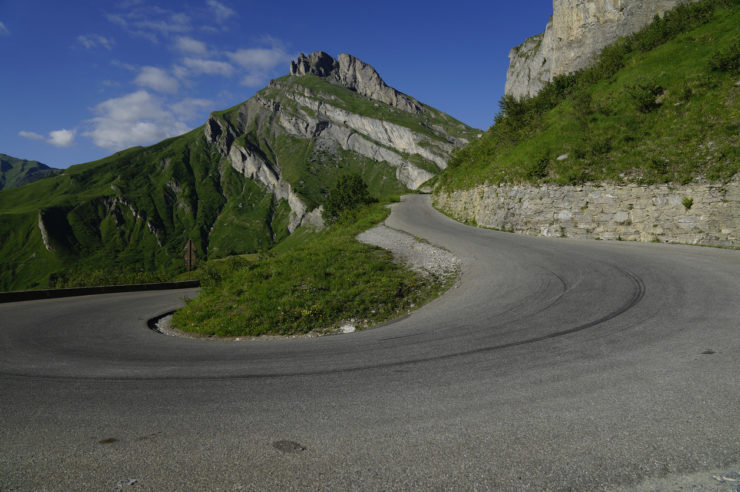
(127, 217)
(659, 106)
(16, 172)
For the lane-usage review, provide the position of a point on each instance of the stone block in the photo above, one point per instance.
(621, 217)
(565, 215)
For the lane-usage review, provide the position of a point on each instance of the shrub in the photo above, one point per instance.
(660, 168)
(583, 106)
(644, 95)
(601, 145)
(538, 168)
(610, 61)
(349, 192)
(727, 60)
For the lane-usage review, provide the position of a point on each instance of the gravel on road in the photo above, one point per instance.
(416, 253)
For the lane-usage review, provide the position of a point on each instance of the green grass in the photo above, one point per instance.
(660, 106)
(128, 216)
(312, 281)
(16, 172)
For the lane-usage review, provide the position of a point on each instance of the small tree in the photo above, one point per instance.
(644, 95)
(349, 192)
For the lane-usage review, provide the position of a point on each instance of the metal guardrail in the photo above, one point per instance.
(29, 295)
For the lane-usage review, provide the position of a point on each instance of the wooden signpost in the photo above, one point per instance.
(189, 255)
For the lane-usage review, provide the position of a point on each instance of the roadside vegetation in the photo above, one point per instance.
(313, 281)
(662, 105)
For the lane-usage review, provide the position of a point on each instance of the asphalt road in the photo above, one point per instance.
(554, 364)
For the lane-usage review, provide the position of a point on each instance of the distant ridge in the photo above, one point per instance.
(16, 172)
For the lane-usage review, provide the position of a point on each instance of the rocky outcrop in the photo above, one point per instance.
(44, 233)
(377, 139)
(697, 213)
(353, 74)
(250, 162)
(575, 35)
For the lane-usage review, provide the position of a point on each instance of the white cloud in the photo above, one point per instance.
(58, 138)
(151, 22)
(179, 71)
(259, 63)
(192, 108)
(254, 80)
(211, 67)
(125, 66)
(174, 23)
(91, 41)
(190, 45)
(4, 31)
(220, 11)
(31, 135)
(260, 59)
(134, 119)
(156, 79)
(62, 138)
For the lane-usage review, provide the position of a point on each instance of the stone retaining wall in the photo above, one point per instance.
(697, 213)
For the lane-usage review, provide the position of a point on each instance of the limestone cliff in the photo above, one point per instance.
(577, 32)
(355, 75)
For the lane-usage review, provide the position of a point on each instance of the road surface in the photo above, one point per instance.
(554, 365)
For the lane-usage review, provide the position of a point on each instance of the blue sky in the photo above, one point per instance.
(83, 79)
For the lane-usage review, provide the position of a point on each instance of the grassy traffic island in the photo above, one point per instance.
(312, 282)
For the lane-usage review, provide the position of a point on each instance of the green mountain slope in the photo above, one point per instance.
(132, 212)
(660, 106)
(241, 183)
(16, 172)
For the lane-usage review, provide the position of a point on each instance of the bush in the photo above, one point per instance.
(610, 61)
(583, 106)
(349, 192)
(644, 95)
(538, 168)
(213, 272)
(727, 60)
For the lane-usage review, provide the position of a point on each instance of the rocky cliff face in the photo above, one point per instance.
(576, 33)
(337, 110)
(354, 74)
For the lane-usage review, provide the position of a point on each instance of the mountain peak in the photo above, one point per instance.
(317, 63)
(354, 74)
